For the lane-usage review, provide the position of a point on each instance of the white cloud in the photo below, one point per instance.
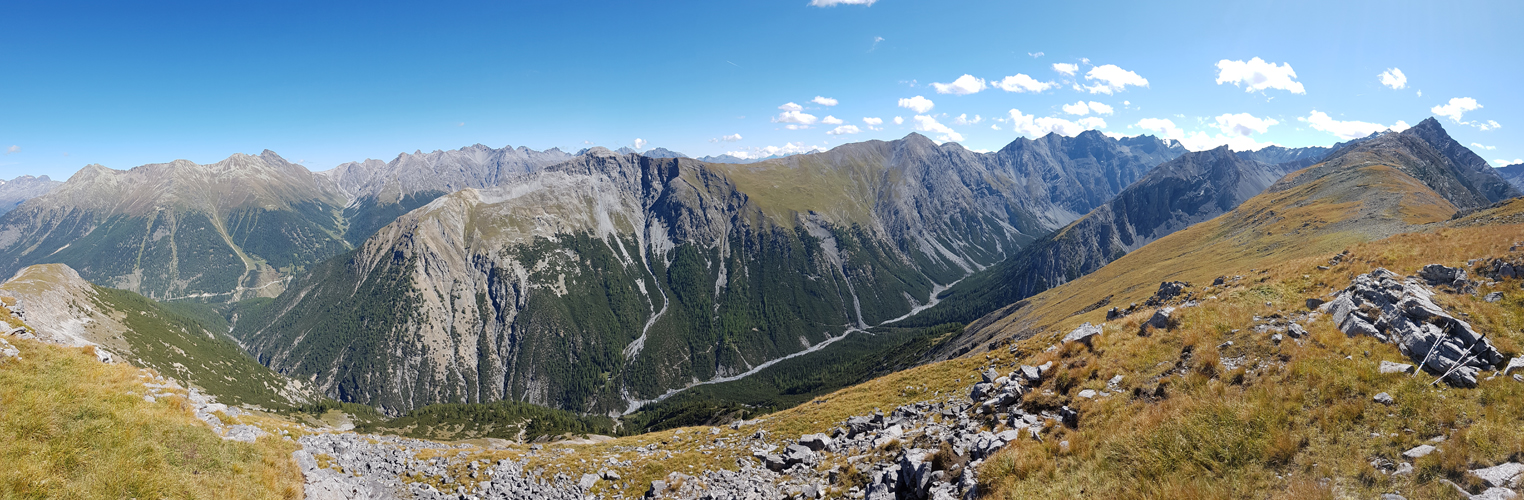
(831, 120)
(1420, 93)
(1393, 78)
(1091, 123)
(873, 121)
(788, 148)
(1258, 75)
(898, 120)
(1243, 124)
(1112, 79)
(1491, 124)
(963, 120)
(1162, 126)
(823, 101)
(789, 106)
(1066, 68)
(928, 124)
(640, 143)
(1456, 108)
(833, 3)
(1035, 55)
(1083, 108)
(994, 126)
(1033, 126)
(727, 138)
(1479, 146)
(918, 104)
(795, 117)
(844, 129)
(1347, 130)
(12, 149)
(1503, 163)
(964, 85)
(1022, 83)
(1200, 141)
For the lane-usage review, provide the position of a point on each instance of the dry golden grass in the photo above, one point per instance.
(73, 427)
(1297, 420)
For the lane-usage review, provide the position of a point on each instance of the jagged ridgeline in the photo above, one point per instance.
(230, 230)
(1199, 186)
(221, 231)
(613, 279)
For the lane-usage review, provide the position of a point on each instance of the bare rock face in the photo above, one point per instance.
(1403, 312)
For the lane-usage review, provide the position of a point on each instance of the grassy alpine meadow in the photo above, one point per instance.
(77, 428)
(1212, 409)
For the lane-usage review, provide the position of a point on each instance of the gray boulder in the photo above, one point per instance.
(1418, 451)
(1493, 297)
(1084, 334)
(1437, 274)
(1390, 367)
(1161, 318)
(1384, 398)
(798, 454)
(1508, 475)
(815, 442)
(1515, 364)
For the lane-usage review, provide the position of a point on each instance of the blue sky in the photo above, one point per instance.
(123, 85)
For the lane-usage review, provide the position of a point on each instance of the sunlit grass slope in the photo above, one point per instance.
(1197, 417)
(73, 427)
(1296, 218)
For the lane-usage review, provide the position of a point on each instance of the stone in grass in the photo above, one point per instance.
(1509, 475)
(1493, 297)
(1390, 367)
(1418, 451)
(1087, 393)
(1384, 398)
(588, 481)
(1085, 334)
(1515, 364)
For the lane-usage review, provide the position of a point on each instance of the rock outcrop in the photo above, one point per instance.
(1402, 311)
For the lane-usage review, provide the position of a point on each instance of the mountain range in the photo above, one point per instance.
(602, 281)
(614, 279)
(22, 188)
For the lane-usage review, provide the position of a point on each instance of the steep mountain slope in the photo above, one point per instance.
(26, 187)
(1082, 172)
(223, 231)
(1514, 174)
(1190, 189)
(1373, 189)
(610, 280)
(379, 192)
(64, 309)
